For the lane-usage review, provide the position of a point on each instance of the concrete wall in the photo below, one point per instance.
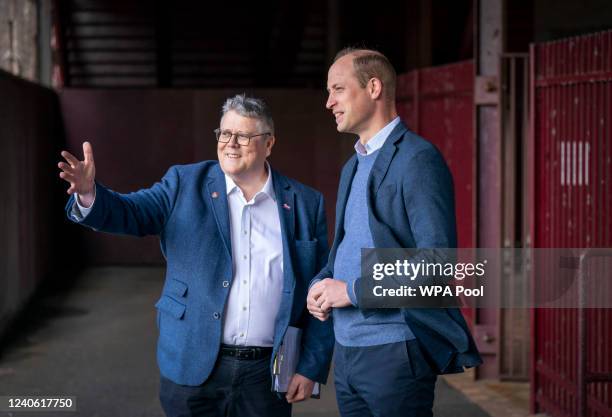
(138, 134)
(31, 246)
(19, 38)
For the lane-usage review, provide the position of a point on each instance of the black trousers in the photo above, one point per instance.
(235, 388)
(391, 380)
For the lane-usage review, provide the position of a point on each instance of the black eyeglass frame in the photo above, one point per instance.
(238, 136)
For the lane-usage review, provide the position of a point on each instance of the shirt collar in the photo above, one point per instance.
(378, 140)
(267, 189)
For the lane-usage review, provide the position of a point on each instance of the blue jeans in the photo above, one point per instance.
(235, 388)
(389, 380)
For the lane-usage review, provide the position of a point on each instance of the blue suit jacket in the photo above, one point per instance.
(411, 205)
(194, 230)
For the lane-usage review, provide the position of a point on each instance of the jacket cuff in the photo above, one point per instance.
(311, 372)
(313, 282)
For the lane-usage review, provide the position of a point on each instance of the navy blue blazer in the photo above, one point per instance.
(411, 205)
(194, 230)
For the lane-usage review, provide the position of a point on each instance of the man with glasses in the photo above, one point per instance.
(241, 242)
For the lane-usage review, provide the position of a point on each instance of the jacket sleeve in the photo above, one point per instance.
(430, 201)
(318, 336)
(141, 213)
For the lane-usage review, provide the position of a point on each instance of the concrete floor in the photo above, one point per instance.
(96, 341)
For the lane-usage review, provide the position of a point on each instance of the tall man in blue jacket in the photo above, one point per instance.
(242, 243)
(395, 192)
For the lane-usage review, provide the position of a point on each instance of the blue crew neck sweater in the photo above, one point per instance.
(350, 326)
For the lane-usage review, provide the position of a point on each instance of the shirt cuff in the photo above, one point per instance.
(352, 290)
(79, 212)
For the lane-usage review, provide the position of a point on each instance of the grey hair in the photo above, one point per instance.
(250, 107)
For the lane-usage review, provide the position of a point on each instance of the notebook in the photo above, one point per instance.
(286, 361)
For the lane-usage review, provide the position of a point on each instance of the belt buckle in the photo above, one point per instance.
(244, 354)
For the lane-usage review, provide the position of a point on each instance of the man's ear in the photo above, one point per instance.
(375, 88)
(269, 144)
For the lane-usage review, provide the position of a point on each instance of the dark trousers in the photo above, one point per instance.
(235, 388)
(385, 380)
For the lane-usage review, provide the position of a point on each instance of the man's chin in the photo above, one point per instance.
(343, 126)
(230, 170)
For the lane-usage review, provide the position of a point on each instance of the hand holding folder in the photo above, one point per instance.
(286, 362)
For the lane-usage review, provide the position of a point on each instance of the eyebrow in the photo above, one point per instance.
(239, 132)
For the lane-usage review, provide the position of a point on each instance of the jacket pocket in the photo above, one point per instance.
(176, 287)
(171, 306)
(306, 258)
(387, 190)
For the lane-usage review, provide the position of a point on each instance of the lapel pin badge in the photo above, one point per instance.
(286, 206)
(215, 194)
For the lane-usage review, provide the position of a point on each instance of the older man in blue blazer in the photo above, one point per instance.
(242, 243)
(395, 192)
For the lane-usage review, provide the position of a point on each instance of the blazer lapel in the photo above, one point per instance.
(383, 160)
(343, 193)
(216, 193)
(285, 201)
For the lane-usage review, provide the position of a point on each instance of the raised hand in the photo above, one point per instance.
(80, 174)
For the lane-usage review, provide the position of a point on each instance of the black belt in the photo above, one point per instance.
(245, 352)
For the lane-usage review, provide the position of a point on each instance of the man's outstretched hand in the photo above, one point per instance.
(80, 174)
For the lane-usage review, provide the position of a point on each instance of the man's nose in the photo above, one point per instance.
(330, 102)
(234, 142)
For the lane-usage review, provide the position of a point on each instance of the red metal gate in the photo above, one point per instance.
(571, 144)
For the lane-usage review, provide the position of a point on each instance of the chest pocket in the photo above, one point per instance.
(387, 191)
(306, 259)
(385, 196)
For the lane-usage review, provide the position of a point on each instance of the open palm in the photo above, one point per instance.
(80, 174)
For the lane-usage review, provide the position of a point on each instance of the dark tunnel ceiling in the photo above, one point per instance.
(199, 44)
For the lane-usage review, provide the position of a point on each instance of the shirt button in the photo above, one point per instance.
(225, 284)
(245, 232)
(244, 257)
(216, 316)
(244, 308)
(244, 282)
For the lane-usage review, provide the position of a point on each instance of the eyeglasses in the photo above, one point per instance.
(243, 139)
